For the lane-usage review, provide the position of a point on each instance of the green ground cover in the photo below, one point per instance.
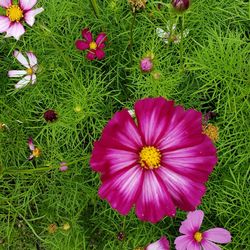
(214, 77)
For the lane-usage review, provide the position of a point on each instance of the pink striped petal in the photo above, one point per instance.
(121, 190)
(29, 16)
(100, 54)
(185, 193)
(22, 83)
(101, 38)
(33, 79)
(19, 56)
(91, 55)
(4, 23)
(195, 162)
(32, 59)
(31, 144)
(154, 201)
(27, 4)
(111, 160)
(184, 130)
(193, 223)
(5, 3)
(193, 245)
(182, 242)
(207, 245)
(81, 45)
(87, 35)
(16, 30)
(152, 115)
(218, 235)
(161, 244)
(17, 73)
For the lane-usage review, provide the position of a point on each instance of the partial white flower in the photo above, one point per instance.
(29, 74)
(170, 34)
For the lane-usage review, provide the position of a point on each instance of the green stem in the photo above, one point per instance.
(181, 44)
(95, 7)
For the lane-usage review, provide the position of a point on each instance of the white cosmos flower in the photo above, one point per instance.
(28, 74)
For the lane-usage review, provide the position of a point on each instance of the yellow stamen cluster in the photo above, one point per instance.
(36, 152)
(150, 157)
(14, 13)
(93, 45)
(198, 237)
(211, 131)
(29, 71)
(137, 4)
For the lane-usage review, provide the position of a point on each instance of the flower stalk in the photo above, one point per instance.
(95, 8)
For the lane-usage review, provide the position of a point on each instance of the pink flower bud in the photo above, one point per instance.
(180, 5)
(63, 167)
(146, 64)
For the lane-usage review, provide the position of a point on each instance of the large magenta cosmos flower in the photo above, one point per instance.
(95, 48)
(11, 23)
(157, 162)
(161, 244)
(194, 239)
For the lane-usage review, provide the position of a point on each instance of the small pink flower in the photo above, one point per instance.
(36, 152)
(194, 239)
(63, 167)
(94, 48)
(156, 162)
(146, 64)
(29, 73)
(161, 244)
(11, 23)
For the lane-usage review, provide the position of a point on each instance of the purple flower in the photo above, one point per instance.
(194, 239)
(36, 152)
(63, 167)
(50, 115)
(180, 5)
(146, 64)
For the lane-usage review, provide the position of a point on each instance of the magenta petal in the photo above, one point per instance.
(121, 190)
(81, 45)
(207, 245)
(193, 245)
(87, 35)
(182, 242)
(4, 23)
(31, 144)
(161, 244)
(152, 117)
(101, 38)
(193, 223)
(218, 235)
(5, 3)
(91, 55)
(154, 201)
(27, 4)
(100, 54)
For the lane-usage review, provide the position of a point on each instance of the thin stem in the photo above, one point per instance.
(181, 44)
(95, 7)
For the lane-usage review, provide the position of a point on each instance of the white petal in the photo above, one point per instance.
(17, 73)
(29, 16)
(19, 56)
(22, 83)
(16, 30)
(5, 3)
(160, 32)
(4, 23)
(32, 59)
(33, 79)
(27, 4)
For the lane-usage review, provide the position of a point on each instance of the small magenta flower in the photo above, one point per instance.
(28, 74)
(36, 152)
(94, 48)
(161, 244)
(63, 167)
(193, 238)
(11, 22)
(180, 5)
(146, 64)
(50, 115)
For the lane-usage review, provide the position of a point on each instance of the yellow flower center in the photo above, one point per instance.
(29, 71)
(93, 45)
(211, 131)
(198, 237)
(150, 157)
(14, 13)
(36, 152)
